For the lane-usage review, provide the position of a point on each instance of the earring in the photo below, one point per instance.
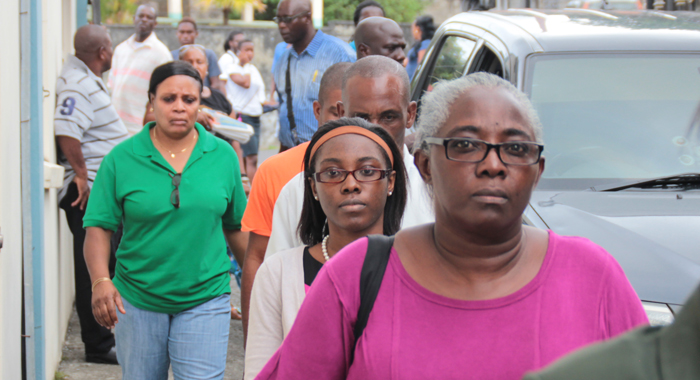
(316, 197)
(390, 193)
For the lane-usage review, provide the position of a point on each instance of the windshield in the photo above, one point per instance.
(612, 117)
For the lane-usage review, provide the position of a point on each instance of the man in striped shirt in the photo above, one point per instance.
(300, 69)
(133, 62)
(87, 127)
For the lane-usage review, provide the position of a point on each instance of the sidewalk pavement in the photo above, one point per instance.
(74, 367)
(267, 153)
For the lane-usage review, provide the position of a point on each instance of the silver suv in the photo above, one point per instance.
(618, 95)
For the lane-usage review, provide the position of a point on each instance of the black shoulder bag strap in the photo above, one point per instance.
(373, 268)
(290, 107)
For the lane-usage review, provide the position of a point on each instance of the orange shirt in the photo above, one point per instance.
(269, 180)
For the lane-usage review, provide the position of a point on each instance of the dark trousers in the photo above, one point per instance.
(97, 339)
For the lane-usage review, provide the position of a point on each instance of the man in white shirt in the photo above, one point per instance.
(375, 88)
(132, 65)
(245, 89)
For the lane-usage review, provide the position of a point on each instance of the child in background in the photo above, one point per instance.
(246, 92)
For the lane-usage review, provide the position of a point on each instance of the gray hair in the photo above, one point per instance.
(377, 66)
(436, 105)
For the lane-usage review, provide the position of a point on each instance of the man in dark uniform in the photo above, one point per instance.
(647, 353)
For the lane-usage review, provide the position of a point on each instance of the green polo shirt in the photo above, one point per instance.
(169, 259)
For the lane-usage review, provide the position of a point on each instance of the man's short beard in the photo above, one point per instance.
(144, 35)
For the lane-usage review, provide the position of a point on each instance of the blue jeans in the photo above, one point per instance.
(235, 269)
(194, 341)
(253, 145)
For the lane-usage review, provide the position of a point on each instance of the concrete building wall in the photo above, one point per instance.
(58, 18)
(58, 258)
(441, 10)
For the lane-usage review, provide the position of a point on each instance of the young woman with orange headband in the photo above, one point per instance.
(356, 186)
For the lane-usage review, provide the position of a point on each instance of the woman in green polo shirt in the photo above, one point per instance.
(177, 190)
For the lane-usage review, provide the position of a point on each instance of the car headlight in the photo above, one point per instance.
(659, 314)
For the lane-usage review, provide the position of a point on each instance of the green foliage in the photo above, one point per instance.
(236, 14)
(118, 11)
(397, 10)
(269, 12)
(60, 376)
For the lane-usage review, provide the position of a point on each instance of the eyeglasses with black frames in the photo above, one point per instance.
(287, 19)
(464, 149)
(175, 195)
(361, 175)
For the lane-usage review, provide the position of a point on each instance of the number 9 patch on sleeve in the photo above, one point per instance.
(68, 106)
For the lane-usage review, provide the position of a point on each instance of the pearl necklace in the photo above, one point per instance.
(324, 249)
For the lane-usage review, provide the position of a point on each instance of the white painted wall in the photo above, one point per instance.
(58, 25)
(10, 196)
(57, 41)
(65, 237)
(65, 243)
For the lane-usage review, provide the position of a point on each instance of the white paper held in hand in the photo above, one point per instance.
(230, 127)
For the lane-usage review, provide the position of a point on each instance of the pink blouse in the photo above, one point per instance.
(579, 296)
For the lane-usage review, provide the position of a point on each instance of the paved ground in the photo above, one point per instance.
(74, 367)
(267, 153)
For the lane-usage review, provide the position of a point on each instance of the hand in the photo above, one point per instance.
(235, 313)
(83, 192)
(206, 119)
(104, 298)
(246, 184)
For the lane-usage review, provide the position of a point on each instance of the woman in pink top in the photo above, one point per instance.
(476, 295)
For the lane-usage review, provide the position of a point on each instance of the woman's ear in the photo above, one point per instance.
(422, 162)
(540, 170)
(391, 183)
(313, 187)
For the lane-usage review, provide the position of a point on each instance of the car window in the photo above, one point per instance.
(617, 116)
(486, 61)
(451, 61)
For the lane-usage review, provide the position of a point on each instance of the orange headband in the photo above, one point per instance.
(355, 130)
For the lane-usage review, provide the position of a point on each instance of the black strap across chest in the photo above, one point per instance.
(373, 268)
